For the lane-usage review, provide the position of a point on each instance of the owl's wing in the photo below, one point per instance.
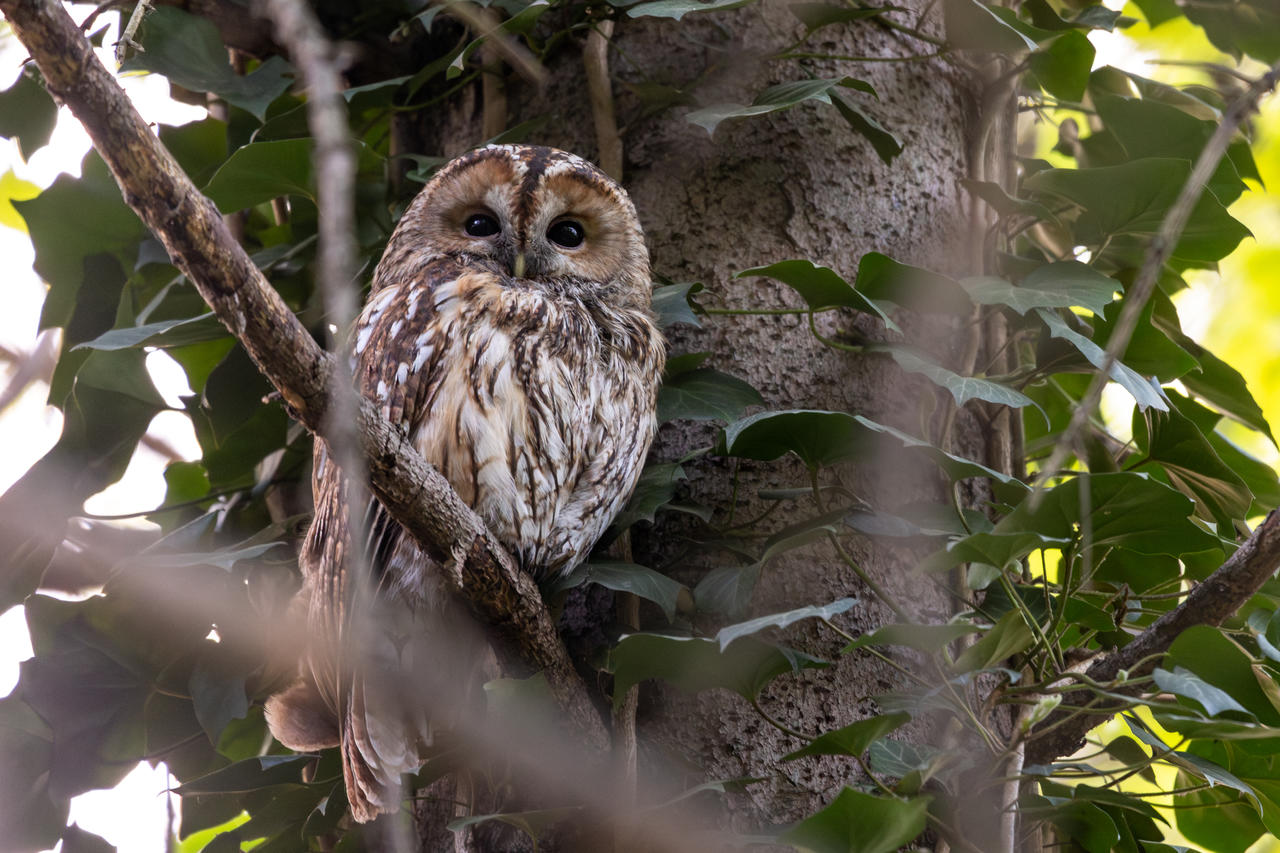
(367, 637)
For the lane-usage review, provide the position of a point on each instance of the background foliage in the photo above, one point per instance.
(1154, 499)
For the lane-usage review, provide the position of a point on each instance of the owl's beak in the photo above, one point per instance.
(518, 266)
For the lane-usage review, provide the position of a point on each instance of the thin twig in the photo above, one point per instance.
(1162, 246)
(595, 59)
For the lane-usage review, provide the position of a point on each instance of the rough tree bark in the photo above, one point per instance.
(798, 184)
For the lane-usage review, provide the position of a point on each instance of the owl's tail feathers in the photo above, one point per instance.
(300, 718)
(379, 745)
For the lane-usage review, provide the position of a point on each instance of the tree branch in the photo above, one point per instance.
(476, 565)
(1158, 253)
(1219, 596)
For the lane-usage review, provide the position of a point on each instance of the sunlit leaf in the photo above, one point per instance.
(860, 823)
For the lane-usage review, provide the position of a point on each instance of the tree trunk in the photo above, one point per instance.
(794, 184)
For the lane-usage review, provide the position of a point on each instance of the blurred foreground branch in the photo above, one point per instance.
(199, 243)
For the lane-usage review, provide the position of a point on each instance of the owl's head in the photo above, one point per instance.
(542, 216)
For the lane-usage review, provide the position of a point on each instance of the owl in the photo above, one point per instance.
(508, 332)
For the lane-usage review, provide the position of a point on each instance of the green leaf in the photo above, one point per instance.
(70, 222)
(1158, 11)
(261, 171)
(820, 287)
(860, 823)
(654, 490)
(853, 739)
(1147, 394)
(252, 774)
(189, 51)
(1223, 663)
(1246, 27)
(671, 304)
(962, 388)
(1006, 638)
(27, 113)
(882, 278)
(1220, 384)
(629, 577)
(925, 638)
(218, 697)
(819, 438)
(1133, 199)
(727, 590)
(1125, 509)
(177, 332)
(887, 145)
(1058, 285)
(972, 25)
(1062, 67)
(703, 395)
(1176, 445)
(77, 840)
(694, 663)
(957, 467)
(677, 9)
(729, 633)
(1148, 128)
(1184, 682)
(783, 96)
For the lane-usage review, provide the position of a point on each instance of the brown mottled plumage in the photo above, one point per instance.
(525, 368)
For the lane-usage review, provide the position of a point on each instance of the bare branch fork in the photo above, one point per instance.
(477, 567)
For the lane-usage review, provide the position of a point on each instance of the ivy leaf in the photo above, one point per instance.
(727, 590)
(925, 638)
(1174, 443)
(1220, 384)
(1247, 27)
(189, 51)
(177, 332)
(218, 697)
(251, 774)
(972, 25)
(860, 823)
(694, 663)
(819, 438)
(261, 171)
(1146, 127)
(1127, 509)
(27, 114)
(887, 145)
(677, 9)
(654, 490)
(1221, 662)
(638, 580)
(962, 388)
(729, 633)
(783, 96)
(1007, 637)
(1057, 285)
(957, 467)
(820, 287)
(882, 278)
(1147, 394)
(1184, 682)
(671, 304)
(853, 739)
(1062, 67)
(1133, 199)
(705, 394)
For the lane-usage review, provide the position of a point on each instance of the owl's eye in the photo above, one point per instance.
(481, 225)
(567, 233)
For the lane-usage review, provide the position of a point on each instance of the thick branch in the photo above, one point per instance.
(199, 243)
(1211, 602)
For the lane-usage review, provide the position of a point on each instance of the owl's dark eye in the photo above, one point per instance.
(567, 233)
(480, 225)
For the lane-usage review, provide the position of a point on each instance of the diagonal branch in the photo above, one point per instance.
(1211, 602)
(416, 495)
(1158, 253)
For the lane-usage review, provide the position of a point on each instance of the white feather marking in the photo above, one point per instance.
(402, 373)
(362, 339)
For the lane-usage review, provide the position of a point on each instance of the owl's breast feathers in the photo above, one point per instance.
(535, 403)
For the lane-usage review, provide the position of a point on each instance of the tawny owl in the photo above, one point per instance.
(509, 333)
